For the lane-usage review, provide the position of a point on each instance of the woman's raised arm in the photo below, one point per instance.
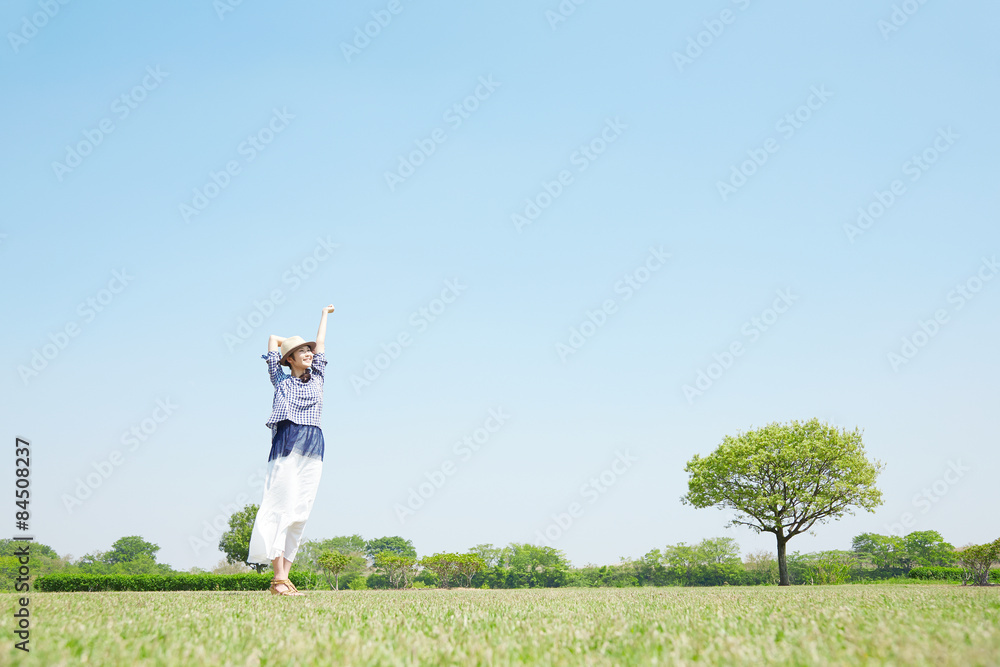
(321, 334)
(274, 343)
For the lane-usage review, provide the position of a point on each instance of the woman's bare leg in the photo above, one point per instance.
(278, 564)
(281, 567)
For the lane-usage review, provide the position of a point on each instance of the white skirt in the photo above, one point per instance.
(294, 468)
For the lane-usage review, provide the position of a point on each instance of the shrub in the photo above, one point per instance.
(947, 574)
(347, 579)
(60, 582)
(428, 578)
(864, 575)
(936, 573)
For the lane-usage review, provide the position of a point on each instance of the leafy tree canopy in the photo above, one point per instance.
(925, 548)
(928, 549)
(128, 549)
(334, 563)
(9, 547)
(395, 544)
(784, 478)
(491, 555)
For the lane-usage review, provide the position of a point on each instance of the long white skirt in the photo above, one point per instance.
(294, 467)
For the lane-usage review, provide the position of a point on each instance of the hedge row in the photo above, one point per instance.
(947, 574)
(58, 582)
(716, 575)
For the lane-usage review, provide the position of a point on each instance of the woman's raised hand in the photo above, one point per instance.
(328, 309)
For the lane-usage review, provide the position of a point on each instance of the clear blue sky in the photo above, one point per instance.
(833, 106)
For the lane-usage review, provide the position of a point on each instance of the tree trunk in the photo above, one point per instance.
(782, 563)
(336, 579)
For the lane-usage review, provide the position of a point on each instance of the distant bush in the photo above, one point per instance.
(427, 578)
(947, 574)
(865, 575)
(939, 573)
(305, 579)
(350, 580)
(642, 574)
(611, 576)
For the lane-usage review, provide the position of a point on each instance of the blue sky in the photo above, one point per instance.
(807, 113)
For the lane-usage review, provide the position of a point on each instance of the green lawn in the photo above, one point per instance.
(803, 625)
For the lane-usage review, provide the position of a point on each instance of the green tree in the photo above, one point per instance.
(310, 551)
(129, 557)
(883, 552)
(445, 566)
(719, 550)
(490, 554)
(533, 566)
(142, 564)
(650, 570)
(398, 569)
(42, 559)
(346, 544)
(784, 478)
(235, 542)
(696, 560)
(468, 565)
(682, 557)
(95, 562)
(129, 549)
(9, 547)
(333, 563)
(395, 544)
(928, 549)
(977, 561)
(763, 564)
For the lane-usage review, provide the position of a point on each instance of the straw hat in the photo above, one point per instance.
(291, 344)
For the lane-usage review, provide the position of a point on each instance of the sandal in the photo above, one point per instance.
(289, 588)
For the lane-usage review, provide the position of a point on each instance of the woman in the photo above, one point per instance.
(296, 459)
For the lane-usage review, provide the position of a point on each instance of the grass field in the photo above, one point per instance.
(804, 625)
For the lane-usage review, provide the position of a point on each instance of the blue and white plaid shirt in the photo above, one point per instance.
(295, 400)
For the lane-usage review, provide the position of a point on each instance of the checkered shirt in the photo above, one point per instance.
(300, 402)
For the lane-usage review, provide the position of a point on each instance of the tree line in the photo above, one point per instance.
(391, 562)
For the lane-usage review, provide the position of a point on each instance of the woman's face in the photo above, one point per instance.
(303, 357)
